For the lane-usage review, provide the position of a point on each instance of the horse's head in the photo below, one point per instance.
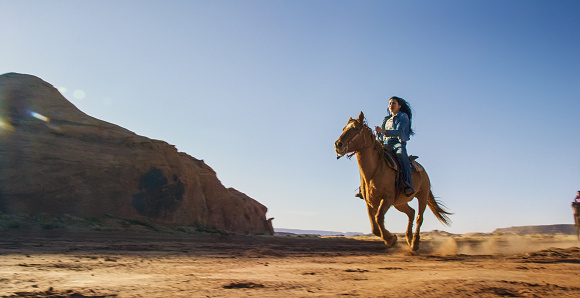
(356, 135)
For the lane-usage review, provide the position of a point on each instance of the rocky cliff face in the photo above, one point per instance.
(55, 159)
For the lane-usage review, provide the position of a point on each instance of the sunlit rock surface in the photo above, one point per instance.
(55, 159)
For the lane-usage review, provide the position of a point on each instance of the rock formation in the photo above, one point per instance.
(55, 159)
(559, 229)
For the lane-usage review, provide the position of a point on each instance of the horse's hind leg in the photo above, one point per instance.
(422, 198)
(405, 208)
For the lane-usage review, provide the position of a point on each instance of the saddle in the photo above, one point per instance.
(392, 161)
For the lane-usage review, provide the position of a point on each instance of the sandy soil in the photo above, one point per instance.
(64, 263)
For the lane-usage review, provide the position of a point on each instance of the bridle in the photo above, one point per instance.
(365, 137)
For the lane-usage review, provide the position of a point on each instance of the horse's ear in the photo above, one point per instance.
(361, 117)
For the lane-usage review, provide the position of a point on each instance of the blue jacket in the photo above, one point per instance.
(400, 128)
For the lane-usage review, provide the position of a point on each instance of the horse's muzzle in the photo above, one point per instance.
(339, 148)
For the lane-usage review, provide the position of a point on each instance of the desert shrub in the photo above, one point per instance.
(48, 222)
(189, 230)
(10, 221)
(208, 229)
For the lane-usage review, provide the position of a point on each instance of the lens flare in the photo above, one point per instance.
(39, 116)
(79, 94)
(4, 125)
(62, 90)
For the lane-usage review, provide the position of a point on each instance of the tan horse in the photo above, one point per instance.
(378, 183)
(576, 207)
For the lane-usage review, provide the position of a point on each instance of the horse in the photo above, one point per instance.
(576, 207)
(378, 184)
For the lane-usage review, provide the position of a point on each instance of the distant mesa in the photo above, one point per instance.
(55, 159)
(295, 232)
(560, 229)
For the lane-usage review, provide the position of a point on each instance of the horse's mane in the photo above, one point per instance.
(377, 145)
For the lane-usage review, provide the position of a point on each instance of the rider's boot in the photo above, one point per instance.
(408, 190)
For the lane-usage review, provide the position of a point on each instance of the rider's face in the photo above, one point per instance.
(394, 106)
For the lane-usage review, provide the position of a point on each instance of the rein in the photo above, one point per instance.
(371, 139)
(349, 156)
(372, 143)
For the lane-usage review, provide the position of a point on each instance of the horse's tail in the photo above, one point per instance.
(438, 209)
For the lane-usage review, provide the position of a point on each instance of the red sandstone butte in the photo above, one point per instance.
(55, 159)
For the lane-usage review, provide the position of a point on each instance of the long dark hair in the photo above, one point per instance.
(405, 108)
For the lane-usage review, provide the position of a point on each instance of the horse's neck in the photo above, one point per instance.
(368, 162)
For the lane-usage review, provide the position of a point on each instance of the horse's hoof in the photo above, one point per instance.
(416, 246)
(392, 241)
(410, 239)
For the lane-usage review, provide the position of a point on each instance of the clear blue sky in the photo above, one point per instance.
(261, 90)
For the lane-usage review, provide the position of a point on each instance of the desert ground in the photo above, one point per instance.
(133, 259)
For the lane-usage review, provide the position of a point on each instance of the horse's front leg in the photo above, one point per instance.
(389, 238)
(372, 208)
(372, 215)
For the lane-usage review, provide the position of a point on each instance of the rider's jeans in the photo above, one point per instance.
(401, 151)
